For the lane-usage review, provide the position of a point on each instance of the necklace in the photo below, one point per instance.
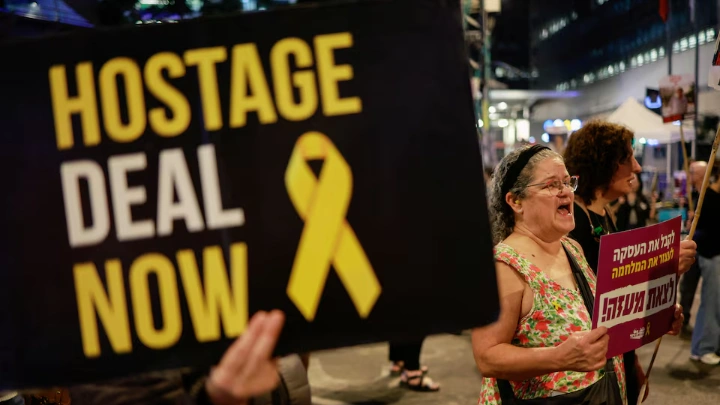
(600, 224)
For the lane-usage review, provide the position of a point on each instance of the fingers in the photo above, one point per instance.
(237, 353)
(596, 334)
(266, 340)
(688, 244)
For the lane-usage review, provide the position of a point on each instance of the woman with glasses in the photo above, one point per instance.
(601, 154)
(542, 348)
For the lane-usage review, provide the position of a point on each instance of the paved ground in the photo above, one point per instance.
(360, 375)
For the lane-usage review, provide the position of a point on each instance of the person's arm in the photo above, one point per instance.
(496, 357)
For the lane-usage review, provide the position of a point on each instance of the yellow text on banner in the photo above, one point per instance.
(327, 237)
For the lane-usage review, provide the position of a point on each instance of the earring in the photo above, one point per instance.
(517, 201)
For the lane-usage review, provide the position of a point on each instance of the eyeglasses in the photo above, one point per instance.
(557, 186)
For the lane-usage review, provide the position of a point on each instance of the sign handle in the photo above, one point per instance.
(643, 389)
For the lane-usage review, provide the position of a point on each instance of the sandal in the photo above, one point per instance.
(397, 368)
(424, 384)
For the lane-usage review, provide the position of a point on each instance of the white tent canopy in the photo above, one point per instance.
(646, 124)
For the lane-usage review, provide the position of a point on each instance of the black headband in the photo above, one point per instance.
(514, 171)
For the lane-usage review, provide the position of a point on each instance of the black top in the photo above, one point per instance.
(709, 221)
(587, 234)
(639, 211)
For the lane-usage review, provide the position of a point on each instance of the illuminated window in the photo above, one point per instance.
(710, 34)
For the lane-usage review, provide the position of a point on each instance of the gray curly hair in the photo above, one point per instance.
(502, 217)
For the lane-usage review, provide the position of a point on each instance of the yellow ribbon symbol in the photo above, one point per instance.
(647, 329)
(327, 238)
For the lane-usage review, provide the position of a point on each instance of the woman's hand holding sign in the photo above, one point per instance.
(585, 351)
(688, 251)
(247, 368)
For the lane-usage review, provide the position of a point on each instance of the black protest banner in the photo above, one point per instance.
(163, 183)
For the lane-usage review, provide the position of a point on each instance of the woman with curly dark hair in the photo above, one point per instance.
(601, 154)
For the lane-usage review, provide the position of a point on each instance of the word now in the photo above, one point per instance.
(637, 301)
(628, 252)
(642, 265)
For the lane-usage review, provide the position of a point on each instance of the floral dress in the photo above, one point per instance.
(556, 313)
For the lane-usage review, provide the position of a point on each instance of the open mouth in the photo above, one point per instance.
(564, 209)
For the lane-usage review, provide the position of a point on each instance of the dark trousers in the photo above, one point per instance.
(688, 287)
(408, 352)
(631, 377)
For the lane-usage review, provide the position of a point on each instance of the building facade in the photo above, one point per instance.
(609, 50)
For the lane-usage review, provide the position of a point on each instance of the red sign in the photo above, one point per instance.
(637, 285)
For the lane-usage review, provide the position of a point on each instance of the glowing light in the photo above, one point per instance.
(575, 124)
(480, 123)
(643, 141)
(558, 123)
(502, 106)
(545, 137)
(653, 105)
(491, 109)
(547, 124)
(503, 123)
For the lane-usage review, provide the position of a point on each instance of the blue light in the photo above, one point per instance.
(547, 124)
